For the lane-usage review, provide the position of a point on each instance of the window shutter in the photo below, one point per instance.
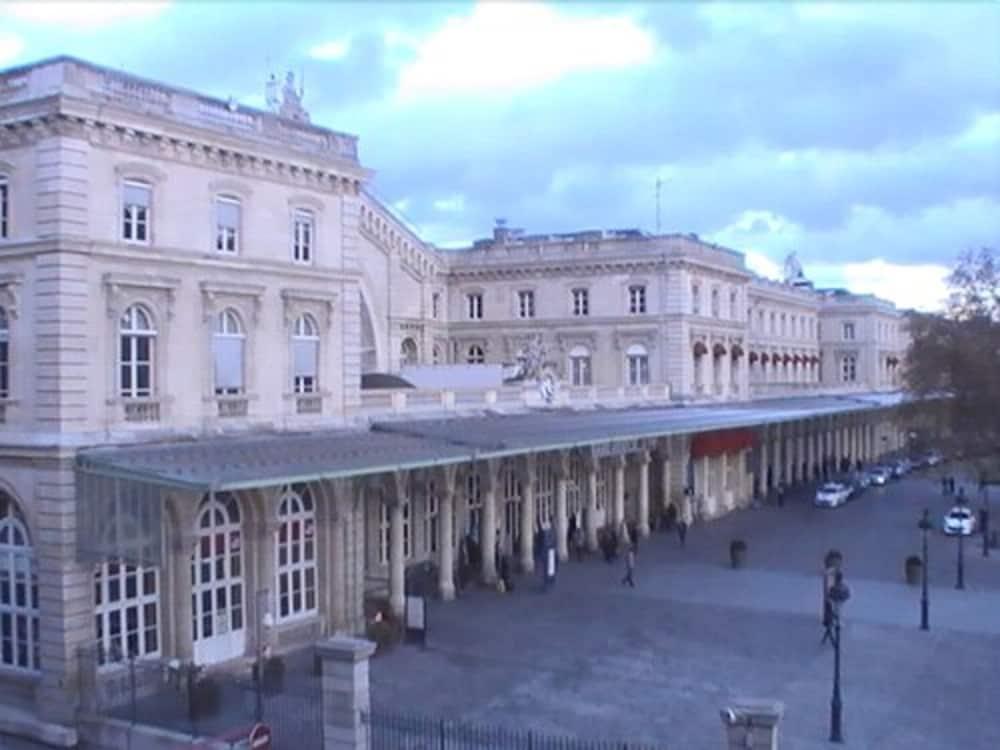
(228, 362)
(304, 358)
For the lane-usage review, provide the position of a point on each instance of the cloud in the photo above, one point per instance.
(505, 47)
(10, 47)
(921, 287)
(451, 204)
(87, 15)
(336, 49)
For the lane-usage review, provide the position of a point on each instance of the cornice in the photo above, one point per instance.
(576, 266)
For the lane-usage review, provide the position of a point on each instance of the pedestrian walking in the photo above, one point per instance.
(781, 495)
(682, 530)
(629, 578)
(578, 542)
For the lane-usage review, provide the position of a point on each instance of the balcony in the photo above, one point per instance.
(230, 407)
(141, 410)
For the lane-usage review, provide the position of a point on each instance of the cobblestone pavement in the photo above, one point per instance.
(655, 663)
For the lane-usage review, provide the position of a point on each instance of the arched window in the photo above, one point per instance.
(18, 590)
(305, 355)
(476, 355)
(579, 366)
(228, 344)
(228, 218)
(637, 361)
(295, 545)
(137, 339)
(408, 352)
(4, 354)
(126, 612)
(217, 612)
(436, 354)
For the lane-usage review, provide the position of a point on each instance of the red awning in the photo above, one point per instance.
(787, 359)
(721, 441)
(753, 357)
(737, 351)
(764, 359)
(718, 350)
(700, 349)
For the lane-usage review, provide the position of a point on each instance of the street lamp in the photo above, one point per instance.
(839, 593)
(925, 526)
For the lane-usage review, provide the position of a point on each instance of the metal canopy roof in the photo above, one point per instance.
(497, 435)
(242, 462)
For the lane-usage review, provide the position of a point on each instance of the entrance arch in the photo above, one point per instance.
(217, 590)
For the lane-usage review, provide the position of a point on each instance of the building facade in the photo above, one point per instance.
(192, 294)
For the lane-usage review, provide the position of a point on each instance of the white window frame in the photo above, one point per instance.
(4, 354)
(229, 326)
(474, 305)
(436, 305)
(112, 603)
(849, 368)
(637, 365)
(581, 301)
(228, 238)
(4, 207)
(475, 355)
(131, 223)
(695, 299)
(581, 366)
(296, 572)
(303, 235)
(134, 326)
(715, 303)
(19, 651)
(526, 303)
(637, 299)
(305, 333)
(848, 330)
(734, 301)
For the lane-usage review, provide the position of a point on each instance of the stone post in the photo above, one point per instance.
(345, 692)
(752, 724)
(762, 471)
(488, 537)
(644, 493)
(591, 514)
(338, 503)
(619, 497)
(665, 474)
(397, 580)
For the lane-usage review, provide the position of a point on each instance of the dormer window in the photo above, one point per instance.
(137, 198)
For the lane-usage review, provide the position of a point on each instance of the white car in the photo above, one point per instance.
(960, 520)
(832, 494)
(880, 475)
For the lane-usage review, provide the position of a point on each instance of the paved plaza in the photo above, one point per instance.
(655, 663)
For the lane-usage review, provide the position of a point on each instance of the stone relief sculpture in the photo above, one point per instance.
(291, 100)
(532, 365)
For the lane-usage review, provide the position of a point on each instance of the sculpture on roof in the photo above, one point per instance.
(291, 100)
(793, 269)
(532, 365)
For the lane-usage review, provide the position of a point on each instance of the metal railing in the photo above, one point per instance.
(394, 731)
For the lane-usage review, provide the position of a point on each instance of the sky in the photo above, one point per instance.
(865, 137)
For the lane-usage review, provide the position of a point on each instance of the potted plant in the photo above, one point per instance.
(737, 553)
(913, 570)
(833, 559)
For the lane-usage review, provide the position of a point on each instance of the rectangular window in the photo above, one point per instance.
(303, 232)
(436, 305)
(638, 369)
(474, 306)
(733, 306)
(784, 324)
(774, 327)
(695, 299)
(849, 368)
(4, 208)
(848, 331)
(305, 364)
(581, 302)
(526, 304)
(227, 225)
(228, 355)
(136, 201)
(637, 300)
(715, 303)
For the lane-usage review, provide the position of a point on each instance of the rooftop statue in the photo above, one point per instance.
(793, 269)
(291, 100)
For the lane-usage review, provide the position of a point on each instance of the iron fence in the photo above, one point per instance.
(393, 731)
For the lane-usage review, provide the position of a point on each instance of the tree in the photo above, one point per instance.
(953, 365)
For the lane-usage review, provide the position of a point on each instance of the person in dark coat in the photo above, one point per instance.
(571, 531)
(629, 566)
(682, 530)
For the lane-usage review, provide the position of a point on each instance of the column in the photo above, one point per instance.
(180, 611)
(397, 582)
(263, 581)
(790, 454)
(643, 461)
(726, 374)
(619, 497)
(337, 498)
(762, 470)
(488, 540)
(590, 517)
(709, 372)
(665, 473)
(724, 489)
(446, 545)
(528, 475)
(345, 692)
(810, 450)
(800, 455)
(705, 508)
(562, 522)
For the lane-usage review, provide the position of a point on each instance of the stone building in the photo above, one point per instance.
(193, 297)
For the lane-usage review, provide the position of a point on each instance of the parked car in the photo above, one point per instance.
(861, 480)
(900, 467)
(880, 475)
(832, 494)
(960, 520)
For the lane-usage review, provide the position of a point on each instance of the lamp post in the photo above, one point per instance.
(839, 594)
(925, 526)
